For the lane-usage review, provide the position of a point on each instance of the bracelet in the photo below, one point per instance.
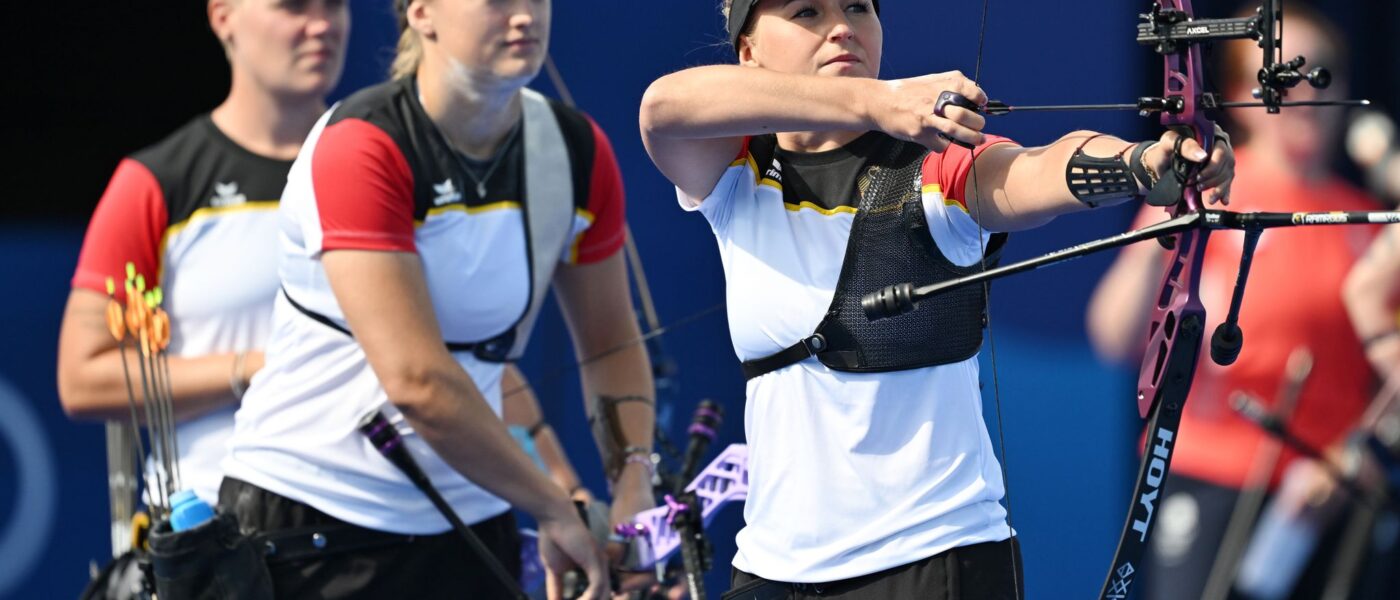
(1374, 339)
(1145, 174)
(615, 400)
(235, 377)
(641, 456)
(534, 430)
(632, 451)
(1151, 173)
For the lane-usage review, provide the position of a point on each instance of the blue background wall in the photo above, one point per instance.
(1069, 421)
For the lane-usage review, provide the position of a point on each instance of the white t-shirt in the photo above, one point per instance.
(197, 215)
(849, 473)
(367, 180)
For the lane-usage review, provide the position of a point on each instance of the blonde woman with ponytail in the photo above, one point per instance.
(421, 225)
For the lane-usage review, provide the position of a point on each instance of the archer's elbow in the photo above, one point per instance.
(649, 115)
(79, 396)
(416, 390)
(75, 404)
(1109, 326)
(1111, 344)
(662, 103)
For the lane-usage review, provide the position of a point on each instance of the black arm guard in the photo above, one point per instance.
(1095, 180)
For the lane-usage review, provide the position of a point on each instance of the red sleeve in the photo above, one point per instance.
(363, 189)
(606, 202)
(127, 227)
(953, 166)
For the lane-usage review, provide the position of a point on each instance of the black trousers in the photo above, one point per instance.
(372, 564)
(981, 571)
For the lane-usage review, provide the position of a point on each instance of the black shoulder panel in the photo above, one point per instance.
(578, 136)
(199, 167)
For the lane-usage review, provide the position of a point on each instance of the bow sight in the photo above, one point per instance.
(1168, 31)
(1172, 31)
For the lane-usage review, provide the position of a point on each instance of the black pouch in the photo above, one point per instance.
(127, 577)
(759, 589)
(213, 561)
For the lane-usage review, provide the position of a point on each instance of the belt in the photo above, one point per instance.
(324, 540)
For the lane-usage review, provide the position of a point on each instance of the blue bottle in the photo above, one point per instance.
(188, 511)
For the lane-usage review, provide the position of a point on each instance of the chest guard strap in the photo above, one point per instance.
(889, 244)
(549, 211)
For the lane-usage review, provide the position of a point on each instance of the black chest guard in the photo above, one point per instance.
(889, 244)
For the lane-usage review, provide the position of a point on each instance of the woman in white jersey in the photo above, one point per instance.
(196, 214)
(871, 472)
(421, 225)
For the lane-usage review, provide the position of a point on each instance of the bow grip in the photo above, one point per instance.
(1171, 187)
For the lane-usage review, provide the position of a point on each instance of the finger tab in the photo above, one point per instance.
(955, 99)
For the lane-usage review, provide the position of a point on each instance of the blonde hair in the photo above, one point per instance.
(407, 56)
(410, 49)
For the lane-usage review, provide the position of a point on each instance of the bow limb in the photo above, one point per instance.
(1177, 324)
